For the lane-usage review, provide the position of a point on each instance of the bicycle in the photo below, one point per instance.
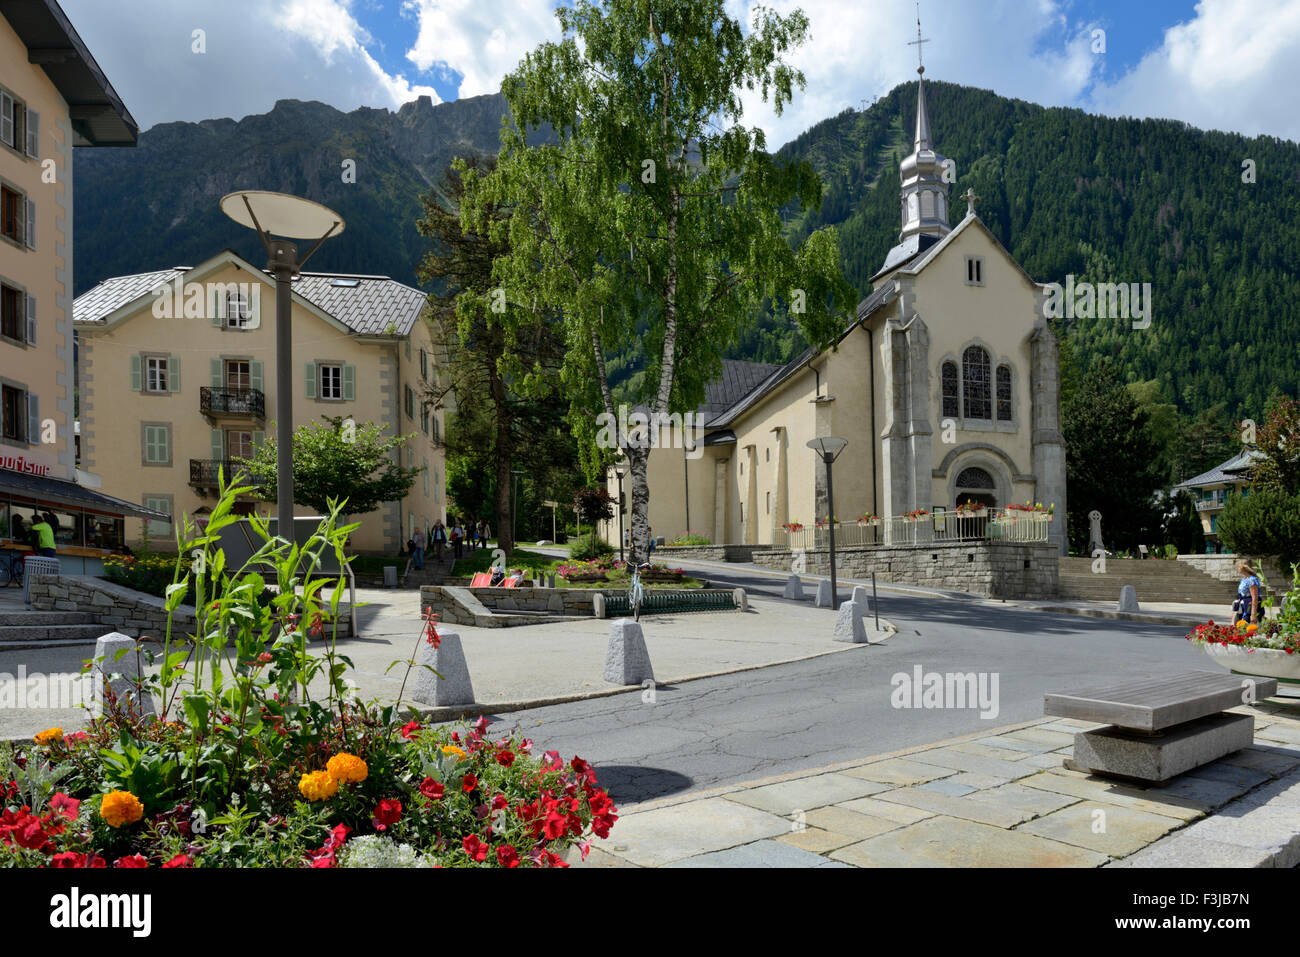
(12, 565)
(635, 590)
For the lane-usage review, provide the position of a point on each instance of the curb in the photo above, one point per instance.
(1155, 618)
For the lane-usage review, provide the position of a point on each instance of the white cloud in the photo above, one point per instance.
(483, 41)
(1231, 67)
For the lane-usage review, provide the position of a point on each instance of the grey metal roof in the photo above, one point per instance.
(369, 307)
(62, 492)
(1224, 473)
(908, 249)
(738, 379)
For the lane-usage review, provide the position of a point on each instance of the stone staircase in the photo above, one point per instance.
(433, 573)
(21, 629)
(1154, 579)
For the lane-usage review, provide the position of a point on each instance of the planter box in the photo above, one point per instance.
(1265, 662)
(586, 578)
(662, 577)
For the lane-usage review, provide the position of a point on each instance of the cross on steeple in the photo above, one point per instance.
(920, 67)
(971, 200)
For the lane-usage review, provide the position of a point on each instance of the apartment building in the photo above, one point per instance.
(178, 378)
(53, 98)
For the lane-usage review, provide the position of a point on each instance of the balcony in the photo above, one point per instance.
(203, 472)
(240, 403)
(1208, 504)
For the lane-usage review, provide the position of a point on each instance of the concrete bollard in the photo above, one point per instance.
(627, 661)
(862, 597)
(794, 588)
(848, 624)
(1128, 599)
(390, 576)
(550, 580)
(448, 659)
(741, 599)
(107, 661)
(823, 599)
(598, 605)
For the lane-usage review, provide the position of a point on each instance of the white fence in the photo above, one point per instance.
(1004, 525)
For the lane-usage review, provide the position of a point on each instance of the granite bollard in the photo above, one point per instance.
(448, 659)
(627, 661)
(115, 654)
(849, 625)
(794, 588)
(862, 597)
(598, 605)
(741, 599)
(1128, 599)
(823, 599)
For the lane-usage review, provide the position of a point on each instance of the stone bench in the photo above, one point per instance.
(1159, 728)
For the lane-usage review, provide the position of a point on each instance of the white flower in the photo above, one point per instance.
(375, 850)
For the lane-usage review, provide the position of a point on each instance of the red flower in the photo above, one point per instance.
(339, 835)
(430, 630)
(67, 806)
(507, 856)
(468, 783)
(481, 725)
(553, 860)
(556, 825)
(431, 789)
(551, 761)
(135, 860)
(475, 848)
(527, 812)
(24, 829)
(499, 802)
(387, 814)
(505, 758)
(265, 657)
(180, 860)
(409, 729)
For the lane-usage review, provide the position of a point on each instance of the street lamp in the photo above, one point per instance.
(829, 448)
(619, 472)
(514, 511)
(279, 214)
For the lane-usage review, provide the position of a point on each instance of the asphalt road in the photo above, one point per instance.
(808, 714)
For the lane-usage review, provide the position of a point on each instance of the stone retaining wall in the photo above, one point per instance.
(1224, 568)
(124, 609)
(991, 569)
(709, 553)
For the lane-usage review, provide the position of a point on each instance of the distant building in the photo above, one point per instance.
(1210, 492)
(177, 370)
(53, 98)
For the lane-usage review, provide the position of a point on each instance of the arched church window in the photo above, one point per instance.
(974, 478)
(976, 376)
(1004, 393)
(950, 390)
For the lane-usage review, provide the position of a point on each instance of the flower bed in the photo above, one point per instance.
(1270, 647)
(245, 767)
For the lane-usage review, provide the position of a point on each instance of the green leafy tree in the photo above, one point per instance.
(337, 460)
(1183, 528)
(654, 221)
(594, 505)
(1112, 465)
(1265, 522)
(1278, 442)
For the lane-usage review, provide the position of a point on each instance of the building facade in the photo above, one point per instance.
(53, 98)
(945, 385)
(1210, 491)
(178, 379)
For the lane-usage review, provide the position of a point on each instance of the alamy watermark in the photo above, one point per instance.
(1106, 300)
(946, 690)
(645, 430)
(237, 303)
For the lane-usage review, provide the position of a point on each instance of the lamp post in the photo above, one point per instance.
(829, 447)
(619, 472)
(279, 214)
(514, 511)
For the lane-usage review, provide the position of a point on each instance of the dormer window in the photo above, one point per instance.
(974, 271)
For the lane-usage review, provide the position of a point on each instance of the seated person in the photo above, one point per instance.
(498, 576)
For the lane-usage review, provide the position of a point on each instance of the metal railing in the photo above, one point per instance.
(1005, 525)
(203, 472)
(250, 402)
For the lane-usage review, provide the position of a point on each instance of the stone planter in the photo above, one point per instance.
(586, 578)
(1263, 662)
(661, 577)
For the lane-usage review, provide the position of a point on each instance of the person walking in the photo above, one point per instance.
(44, 532)
(457, 538)
(420, 544)
(484, 532)
(1247, 607)
(439, 537)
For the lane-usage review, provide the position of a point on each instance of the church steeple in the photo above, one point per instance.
(924, 192)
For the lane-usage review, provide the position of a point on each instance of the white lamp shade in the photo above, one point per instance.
(280, 214)
(827, 445)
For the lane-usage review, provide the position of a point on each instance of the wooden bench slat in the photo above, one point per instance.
(1151, 704)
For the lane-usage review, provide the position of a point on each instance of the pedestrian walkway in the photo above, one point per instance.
(998, 799)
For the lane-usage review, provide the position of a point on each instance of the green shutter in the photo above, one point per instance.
(214, 370)
(255, 375)
(137, 383)
(349, 382)
(310, 379)
(33, 419)
(174, 373)
(218, 445)
(259, 440)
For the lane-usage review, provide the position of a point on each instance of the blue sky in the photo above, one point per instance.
(1221, 64)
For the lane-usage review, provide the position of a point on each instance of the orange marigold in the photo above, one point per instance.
(318, 786)
(49, 736)
(452, 749)
(347, 768)
(120, 807)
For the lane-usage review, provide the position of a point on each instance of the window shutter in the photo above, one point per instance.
(33, 134)
(255, 375)
(349, 382)
(309, 377)
(137, 381)
(30, 236)
(259, 440)
(7, 118)
(218, 445)
(33, 419)
(173, 373)
(214, 371)
(31, 320)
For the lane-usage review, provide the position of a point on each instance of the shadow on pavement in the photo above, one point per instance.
(631, 784)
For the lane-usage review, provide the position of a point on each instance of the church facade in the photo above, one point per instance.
(945, 386)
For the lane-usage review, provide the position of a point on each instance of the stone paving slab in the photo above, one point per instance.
(983, 750)
(803, 794)
(759, 854)
(1038, 735)
(980, 782)
(844, 821)
(1105, 828)
(1034, 800)
(950, 842)
(898, 813)
(947, 786)
(1185, 849)
(962, 760)
(1101, 790)
(816, 840)
(900, 772)
(1271, 760)
(659, 837)
(966, 808)
(1287, 734)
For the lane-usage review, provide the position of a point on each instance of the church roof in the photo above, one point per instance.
(1224, 473)
(907, 250)
(738, 379)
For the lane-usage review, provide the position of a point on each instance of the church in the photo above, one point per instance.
(945, 386)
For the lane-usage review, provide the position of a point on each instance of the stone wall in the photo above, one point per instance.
(709, 553)
(991, 569)
(123, 609)
(481, 606)
(1224, 568)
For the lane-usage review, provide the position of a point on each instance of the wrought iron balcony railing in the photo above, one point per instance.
(203, 472)
(245, 402)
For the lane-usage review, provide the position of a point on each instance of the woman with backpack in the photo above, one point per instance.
(1248, 606)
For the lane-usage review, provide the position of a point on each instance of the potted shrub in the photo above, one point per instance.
(1269, 649)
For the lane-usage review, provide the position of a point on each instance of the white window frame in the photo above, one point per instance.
(329, 373)
(237, 312)
(155, 375)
